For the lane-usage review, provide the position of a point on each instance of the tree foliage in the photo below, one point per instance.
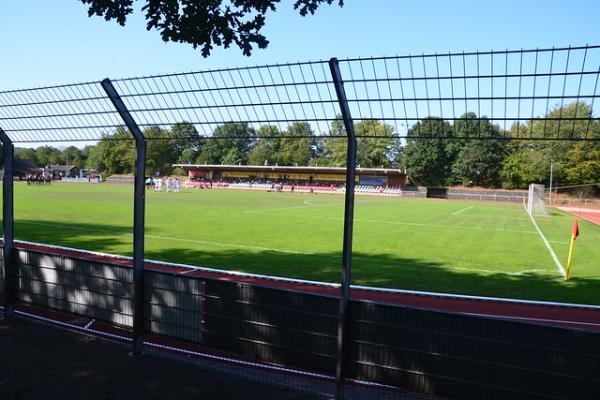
(428, 161)
(203, 23)
(436, 152)
(231, 144)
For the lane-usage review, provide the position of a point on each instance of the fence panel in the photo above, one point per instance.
(89, 288)
(272, 325)
(174, 305)
(428, 352)
(469, 357)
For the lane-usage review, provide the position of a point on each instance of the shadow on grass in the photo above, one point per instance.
(298, 329)
(369, 269)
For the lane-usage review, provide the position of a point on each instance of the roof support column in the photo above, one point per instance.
(138, 216)
(348, 227)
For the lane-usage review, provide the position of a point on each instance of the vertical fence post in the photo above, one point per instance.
(10, 277)
(348, 225)
(138, 216)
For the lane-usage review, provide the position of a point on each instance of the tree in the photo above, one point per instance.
(380, 151)
(47, 155)
(267, 146)
(25, 154)
(297, 145)
(479, 161)
(573, 163)
(72, 156)
(231, 144)
(203, 23)
(334, 147)
(427, 161)
(583, 165)
(161, 151)
(114, 154)
(184, 136)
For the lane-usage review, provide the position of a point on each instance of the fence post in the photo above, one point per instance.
(138, 216)
(348, 225)
(10, 276)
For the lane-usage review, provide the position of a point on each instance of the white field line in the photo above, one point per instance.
(463, 227)
(277, 250)
(532, 319)
(561, 269)
(308, 204)
(462, 210)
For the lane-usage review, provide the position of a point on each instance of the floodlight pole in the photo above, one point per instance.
(348, 225)
(138, 216)
(10, 275)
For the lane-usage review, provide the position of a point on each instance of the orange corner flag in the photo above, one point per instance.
(575, 229)
(574, 234)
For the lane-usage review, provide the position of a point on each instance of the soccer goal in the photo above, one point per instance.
(536, 200)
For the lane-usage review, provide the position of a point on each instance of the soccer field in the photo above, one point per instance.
(443, 246)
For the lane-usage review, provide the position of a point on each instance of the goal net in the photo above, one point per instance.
(536, 201)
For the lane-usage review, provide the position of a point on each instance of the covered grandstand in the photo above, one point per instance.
(302, 176)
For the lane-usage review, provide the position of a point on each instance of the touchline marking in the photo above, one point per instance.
(243, 246)
(462, 210)
(560, 321)
(561, 269)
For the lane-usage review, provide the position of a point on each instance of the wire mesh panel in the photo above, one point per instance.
(75, 112)
(515, 90)
(273, 95)
(83, 287)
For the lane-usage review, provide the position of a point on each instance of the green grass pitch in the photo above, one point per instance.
(443, 246)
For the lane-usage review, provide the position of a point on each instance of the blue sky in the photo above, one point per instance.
(49, 42)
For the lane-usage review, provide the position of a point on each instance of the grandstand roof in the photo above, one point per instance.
(291, 169)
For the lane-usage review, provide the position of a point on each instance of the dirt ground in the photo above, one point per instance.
(43, 362)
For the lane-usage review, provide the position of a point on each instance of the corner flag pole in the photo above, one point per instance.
(574, 234)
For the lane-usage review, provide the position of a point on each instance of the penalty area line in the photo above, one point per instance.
(561, 269)
(462, 210)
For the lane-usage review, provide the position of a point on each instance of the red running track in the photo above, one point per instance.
(554, 314)
(589, 214)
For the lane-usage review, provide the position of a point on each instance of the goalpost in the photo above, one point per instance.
(536, 200)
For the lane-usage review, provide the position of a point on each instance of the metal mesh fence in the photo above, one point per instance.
(287, 337)
(541, 94)
(516, 90)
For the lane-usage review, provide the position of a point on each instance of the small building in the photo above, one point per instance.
(61, 171)
(309, 175)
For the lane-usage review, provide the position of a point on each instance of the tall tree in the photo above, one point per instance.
(381, 149)
(72, 156)
(376, 145)
(333, 148)
(161, 151)
(185, 140)
(230, 144)
(529, 162)
(47, 155)
(297, 145)
(268, 146)
(203, 23)
(427, 161)
(114, 154)
(479, 161)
